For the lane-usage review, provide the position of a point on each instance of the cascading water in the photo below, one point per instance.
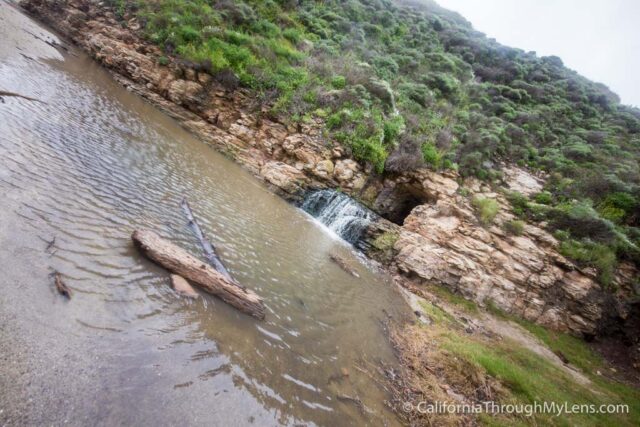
(340, 213)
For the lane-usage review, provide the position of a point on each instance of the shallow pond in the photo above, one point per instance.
(90, 166)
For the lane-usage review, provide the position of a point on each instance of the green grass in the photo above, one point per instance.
(528, 375)
(431, 155)
(529, 378)
(515, 227)
(597, 255)
(455, 299)
(574, 349)
(486, 208)
(436, 314)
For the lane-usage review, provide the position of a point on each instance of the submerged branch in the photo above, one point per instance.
(17, 95)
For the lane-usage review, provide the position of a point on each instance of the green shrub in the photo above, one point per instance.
(392, 128)
(370, 150)
(537, 211)
(335, 120)
(431, 155)
(338, 82)
(519, 203)
(386, 68)
(515, 227)
(617, 206)
(265, 28)
(293, 35)
(445, 84)
(592, 254)
(544, 198)
(238, 38)
(283, 49)
(363, 132)
(188, 34)
(486, 208)
(417, 92)
(582, 221)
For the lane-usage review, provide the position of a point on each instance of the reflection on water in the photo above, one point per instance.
(87, 168)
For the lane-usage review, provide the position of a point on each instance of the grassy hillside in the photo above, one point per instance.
(483, 368)
(407, 84)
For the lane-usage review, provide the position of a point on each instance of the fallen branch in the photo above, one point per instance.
(209, 251)
(180, 262)
(61, 287)
(17, 95)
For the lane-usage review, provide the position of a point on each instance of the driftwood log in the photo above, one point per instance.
(179, 261)
(209, 250)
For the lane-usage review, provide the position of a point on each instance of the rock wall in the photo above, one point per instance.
(439, 240)
(524, 275)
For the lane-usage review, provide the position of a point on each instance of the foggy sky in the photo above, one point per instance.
(600, 39)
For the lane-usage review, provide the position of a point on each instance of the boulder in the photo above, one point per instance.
(345, 170)
(323, 169)
(520, 180)
(292, 142)
(286, 177)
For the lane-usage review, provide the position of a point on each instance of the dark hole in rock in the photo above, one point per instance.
(396, 203)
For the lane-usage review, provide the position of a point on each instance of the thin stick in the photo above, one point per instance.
(17, 95)
(209, 250)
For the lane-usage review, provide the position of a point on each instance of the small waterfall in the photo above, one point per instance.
(340, 213)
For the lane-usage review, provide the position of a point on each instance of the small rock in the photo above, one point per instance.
(204, 78)
(190, 74)
(323, 169)
(183, 287)
(345, 170)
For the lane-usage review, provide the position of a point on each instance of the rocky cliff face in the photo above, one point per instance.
(524, 275)
(439, 239)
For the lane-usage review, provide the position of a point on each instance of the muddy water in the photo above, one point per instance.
(87, 168)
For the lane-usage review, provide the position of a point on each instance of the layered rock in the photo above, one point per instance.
(443, 243)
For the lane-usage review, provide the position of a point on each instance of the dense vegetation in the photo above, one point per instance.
(406, 84)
